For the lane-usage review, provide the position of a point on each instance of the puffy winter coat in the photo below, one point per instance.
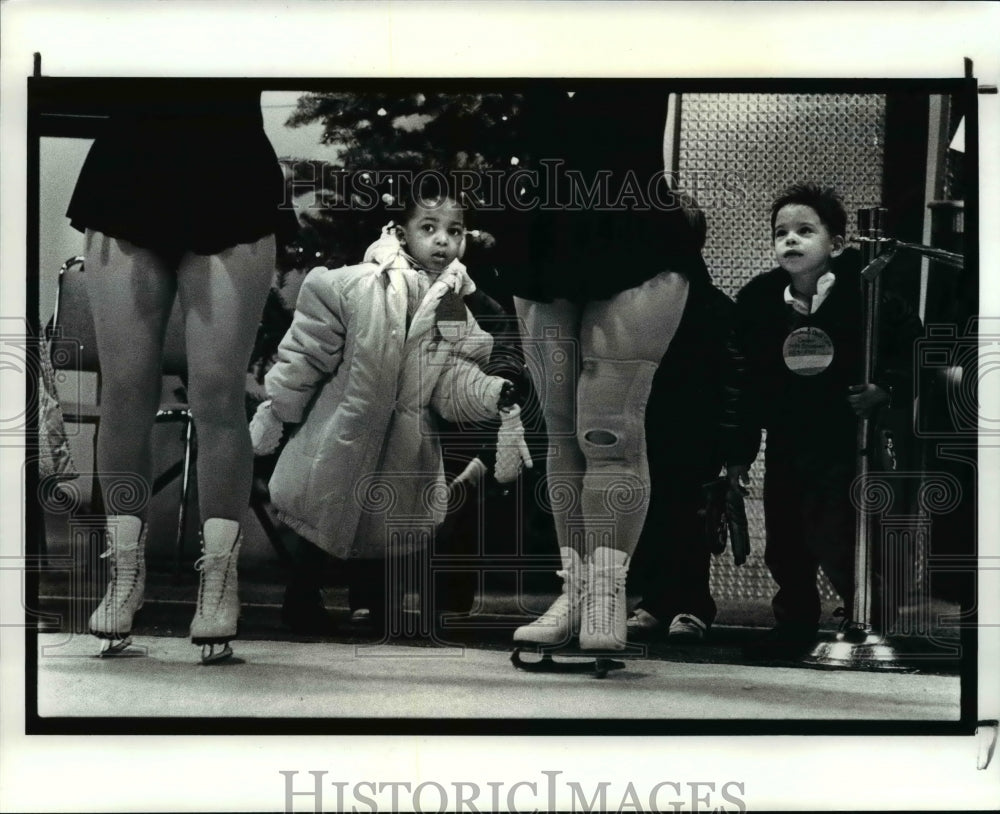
(363, 470)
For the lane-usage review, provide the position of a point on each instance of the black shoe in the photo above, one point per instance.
(789, 640)
(643, 625)
(851, 631)
(305, 613)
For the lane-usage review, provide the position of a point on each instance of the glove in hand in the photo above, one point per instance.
(736, 521)
(266, 430)
(725, 518)
(714, 514)
(512, 451)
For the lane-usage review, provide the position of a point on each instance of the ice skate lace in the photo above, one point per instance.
(212, 584)
(605, 593)
(124, 578)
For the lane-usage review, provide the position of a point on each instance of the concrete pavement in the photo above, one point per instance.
(285, 679)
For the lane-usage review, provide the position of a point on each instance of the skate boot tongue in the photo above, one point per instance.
(219, 536)
(123, 533)
(603, 626)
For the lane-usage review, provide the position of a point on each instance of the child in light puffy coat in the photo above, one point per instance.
(375, 353)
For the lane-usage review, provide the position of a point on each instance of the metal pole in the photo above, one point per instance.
(871, 230)
(857, 646)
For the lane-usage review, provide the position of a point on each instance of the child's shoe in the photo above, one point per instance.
(686, 627)
(642, 623)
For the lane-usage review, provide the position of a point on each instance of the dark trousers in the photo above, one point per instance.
(370, 583)
(381, 586)
(369, 586)
(671, 565)
(810, 522)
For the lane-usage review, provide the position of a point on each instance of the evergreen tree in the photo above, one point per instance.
(381, 133)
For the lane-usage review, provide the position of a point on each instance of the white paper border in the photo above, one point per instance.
(304, 39)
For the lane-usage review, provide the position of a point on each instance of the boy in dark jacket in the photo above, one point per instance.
(800, 327)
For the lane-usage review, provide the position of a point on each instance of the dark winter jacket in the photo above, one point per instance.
(808, 416)
(689, 398)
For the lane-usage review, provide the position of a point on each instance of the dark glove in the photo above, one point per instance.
(725, 516)
(714, 514)
(736, 520)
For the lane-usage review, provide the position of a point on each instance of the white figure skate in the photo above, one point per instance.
(554, 633)
(216, 621)
(111, 622)
(603, 625)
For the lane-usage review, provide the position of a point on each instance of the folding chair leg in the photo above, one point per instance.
(96, 495)
(185, 488)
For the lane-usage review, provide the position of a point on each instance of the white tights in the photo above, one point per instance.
(131, 291)
(593, 369)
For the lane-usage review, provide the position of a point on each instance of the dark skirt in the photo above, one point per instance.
(174, 180)
(584, 256)
(606, 220)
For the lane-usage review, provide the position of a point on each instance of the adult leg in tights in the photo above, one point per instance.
(597, 468)
(132, 291)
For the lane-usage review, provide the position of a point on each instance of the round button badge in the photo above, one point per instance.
(808, 351)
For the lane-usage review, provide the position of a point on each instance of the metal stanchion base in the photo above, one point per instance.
(857, 650)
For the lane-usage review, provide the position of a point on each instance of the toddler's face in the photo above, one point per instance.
(802, 243)
(433, 234)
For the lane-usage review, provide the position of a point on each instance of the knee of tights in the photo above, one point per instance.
(218, 407)
(130, 400)
(610, 440)
(612, 409)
